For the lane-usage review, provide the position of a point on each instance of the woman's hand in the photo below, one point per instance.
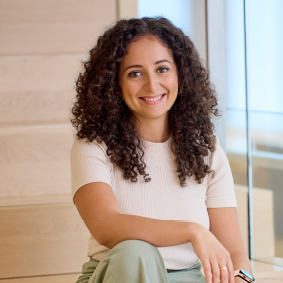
(213, 256)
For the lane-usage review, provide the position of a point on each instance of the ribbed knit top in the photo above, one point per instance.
(162, 197)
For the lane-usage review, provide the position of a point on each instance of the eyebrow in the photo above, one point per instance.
(140, 66)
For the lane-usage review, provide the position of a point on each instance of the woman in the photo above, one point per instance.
(149, 178)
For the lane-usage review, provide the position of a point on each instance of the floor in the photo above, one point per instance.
(263, 272)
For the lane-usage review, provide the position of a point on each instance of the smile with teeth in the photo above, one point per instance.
(155, 98)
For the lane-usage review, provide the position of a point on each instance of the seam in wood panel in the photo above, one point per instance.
(39, 276)
(5, 130)
(38, 56)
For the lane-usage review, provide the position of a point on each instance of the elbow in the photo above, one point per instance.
(105, 239)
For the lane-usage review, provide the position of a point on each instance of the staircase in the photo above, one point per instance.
(42, 238)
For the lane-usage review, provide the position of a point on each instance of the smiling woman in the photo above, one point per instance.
(149, 178)
(148, 80)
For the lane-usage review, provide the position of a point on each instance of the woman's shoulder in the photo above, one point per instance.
(84, 148)
(216, 157)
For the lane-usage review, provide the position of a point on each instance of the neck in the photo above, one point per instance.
(154, 130)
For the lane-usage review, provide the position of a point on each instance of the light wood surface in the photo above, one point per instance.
(269, 277)
(242, 209)
(263, 223)
(35, 161)
(66, 278)
(127, 9)
(52, 26)
(41, 240)
(38, 90)
(265, 277)
(37, 200)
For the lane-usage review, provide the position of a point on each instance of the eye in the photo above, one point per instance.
(134, 74)
(162, 70)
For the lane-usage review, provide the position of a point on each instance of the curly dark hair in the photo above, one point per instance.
(99, 114)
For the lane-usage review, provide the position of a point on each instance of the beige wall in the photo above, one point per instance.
(42, 46)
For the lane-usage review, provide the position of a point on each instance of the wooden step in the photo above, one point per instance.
(37, 90)
(269, 277)
(41, 240)
(53, 26)
(65, 278)
(263, 222)
(36, 200)
(265, 277)
(35, 161)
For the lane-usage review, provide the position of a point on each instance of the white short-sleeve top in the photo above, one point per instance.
(162, 197)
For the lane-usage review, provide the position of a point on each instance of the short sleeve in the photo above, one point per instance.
(89, 163)
(220, 186)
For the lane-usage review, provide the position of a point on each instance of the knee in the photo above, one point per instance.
(131, 249)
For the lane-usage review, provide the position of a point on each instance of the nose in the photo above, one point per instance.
(151, 83)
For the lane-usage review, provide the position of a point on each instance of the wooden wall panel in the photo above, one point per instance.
(38, 90)
(41, 240)
(242, 209)
(66, 278)
(263, 222)
(52, 26)
(35, 161)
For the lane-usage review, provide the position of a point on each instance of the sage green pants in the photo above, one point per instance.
(135, 261)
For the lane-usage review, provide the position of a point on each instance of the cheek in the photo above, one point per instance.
(129, 88)
(171, 81)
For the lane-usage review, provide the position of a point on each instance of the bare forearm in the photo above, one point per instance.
(102, 215)
(119, 227)
(241, 261)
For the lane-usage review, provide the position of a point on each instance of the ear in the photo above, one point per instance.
(119, 92)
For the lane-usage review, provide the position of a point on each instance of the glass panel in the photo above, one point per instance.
(264, 23)
(236, 123)
(235, 55)
(267, 159)
(179, 11)
(189, 15)
(236, 145)
(264, 43)
(265, 57)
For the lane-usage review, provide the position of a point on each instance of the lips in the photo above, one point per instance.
(152, 98)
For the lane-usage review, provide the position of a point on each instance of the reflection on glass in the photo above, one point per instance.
(264, 45)
(235, 55)
(267, 153)
(265, 57)
(236, 145)
(264, 60)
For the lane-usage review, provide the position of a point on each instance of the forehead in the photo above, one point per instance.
(147, 48)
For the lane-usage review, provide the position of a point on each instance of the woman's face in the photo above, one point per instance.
(148, 79)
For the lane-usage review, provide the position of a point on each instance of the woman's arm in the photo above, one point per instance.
(224, 225)
(100, 211)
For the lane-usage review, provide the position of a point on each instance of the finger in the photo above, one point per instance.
(224, 273)
(215, 272)
(230, 272)
(207, 271)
